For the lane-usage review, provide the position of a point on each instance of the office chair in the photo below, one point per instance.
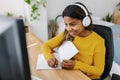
(106, 33)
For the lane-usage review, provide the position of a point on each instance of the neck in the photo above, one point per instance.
(85, 33)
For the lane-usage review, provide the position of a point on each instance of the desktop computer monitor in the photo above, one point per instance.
(14, 64)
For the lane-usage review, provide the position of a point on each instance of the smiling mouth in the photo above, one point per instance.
(72, 32)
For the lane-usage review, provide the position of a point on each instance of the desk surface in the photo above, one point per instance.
(62, 74)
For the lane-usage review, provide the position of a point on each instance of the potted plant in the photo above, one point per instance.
(52, 28)
(116, 14)
(107, 18)
(118, 5)
(34, 5)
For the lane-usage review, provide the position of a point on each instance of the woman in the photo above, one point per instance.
(91, 56)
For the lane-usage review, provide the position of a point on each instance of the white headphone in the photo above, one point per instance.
(86, 20)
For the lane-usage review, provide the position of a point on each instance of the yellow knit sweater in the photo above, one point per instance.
(91, 57)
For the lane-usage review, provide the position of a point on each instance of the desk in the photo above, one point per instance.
(62, 74)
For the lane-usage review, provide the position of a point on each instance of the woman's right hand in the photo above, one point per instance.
(53, 62)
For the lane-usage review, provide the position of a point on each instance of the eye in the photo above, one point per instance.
(72, 24)
(66, 25)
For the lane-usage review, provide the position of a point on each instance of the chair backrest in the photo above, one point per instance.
(106, 33)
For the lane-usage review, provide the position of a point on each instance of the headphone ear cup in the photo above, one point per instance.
(86, 21)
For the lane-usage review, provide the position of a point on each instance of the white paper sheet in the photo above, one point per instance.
(65, 52)
(42, 64)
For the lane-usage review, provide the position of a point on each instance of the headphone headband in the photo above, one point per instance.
(84, 9)
(86, 20)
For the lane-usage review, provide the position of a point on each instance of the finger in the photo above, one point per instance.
(56, 62)
(66, 61)
(65, 64)
(69, 64)
(51, 62)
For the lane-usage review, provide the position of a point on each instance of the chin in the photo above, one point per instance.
(73, 35)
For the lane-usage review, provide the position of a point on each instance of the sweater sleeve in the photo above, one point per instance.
(97, 67)
(47, 47)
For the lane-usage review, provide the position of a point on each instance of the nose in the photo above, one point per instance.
(68, 28)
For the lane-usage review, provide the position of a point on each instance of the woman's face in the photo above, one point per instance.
(73, 26)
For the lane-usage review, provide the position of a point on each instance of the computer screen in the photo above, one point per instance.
(14, 64)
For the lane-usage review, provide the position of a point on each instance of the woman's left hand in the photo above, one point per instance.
(68, 64)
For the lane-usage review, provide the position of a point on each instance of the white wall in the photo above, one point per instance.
(54, 7)
(19, 8)
(12, 6)
(39, 27)
(98, 7)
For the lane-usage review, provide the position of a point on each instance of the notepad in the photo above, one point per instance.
(42, 64)
(65, 52)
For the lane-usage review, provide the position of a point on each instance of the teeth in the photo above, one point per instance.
(71, 32)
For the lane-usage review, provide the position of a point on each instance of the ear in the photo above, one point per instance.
(86, 21)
